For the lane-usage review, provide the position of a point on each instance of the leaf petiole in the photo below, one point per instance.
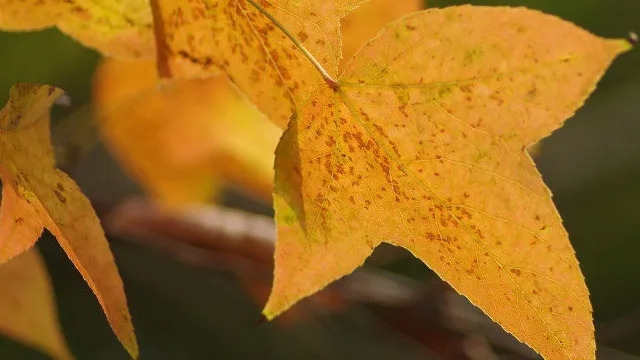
(325, 75)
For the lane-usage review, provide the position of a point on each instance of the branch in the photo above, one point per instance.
(243, 243)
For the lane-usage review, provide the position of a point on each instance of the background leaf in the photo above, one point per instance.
(121, 28)
(180, 139)
(27, 305)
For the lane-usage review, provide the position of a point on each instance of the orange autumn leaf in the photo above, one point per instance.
(179, 139)
(201, 38)
(121, 28)
(27, 306)
(422, 145)
(37, 195)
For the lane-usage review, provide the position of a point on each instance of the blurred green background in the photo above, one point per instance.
(592, 165)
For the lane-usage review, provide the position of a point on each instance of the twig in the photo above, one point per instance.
(235, 241)
(243, 244)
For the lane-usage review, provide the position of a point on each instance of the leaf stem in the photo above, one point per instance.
(325, 75)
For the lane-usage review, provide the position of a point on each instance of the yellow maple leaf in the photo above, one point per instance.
(422, 145)
(200, 38)
(121, 28)
(36, 195)
(180, 138)
(27, 306)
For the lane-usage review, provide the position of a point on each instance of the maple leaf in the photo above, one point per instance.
(121, 28)
(27, 306)
(236, 37)
(180, 138)
(35, 195)
(422, 145)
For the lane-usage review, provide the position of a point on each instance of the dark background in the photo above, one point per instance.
(592, 165)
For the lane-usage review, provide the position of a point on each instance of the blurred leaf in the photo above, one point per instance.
(27, 306)
(179, 139)
(121, 28)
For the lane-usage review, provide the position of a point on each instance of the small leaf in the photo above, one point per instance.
(180, 138)
(36, 194)
(27, 306)
(121, 28)
(422, 146)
